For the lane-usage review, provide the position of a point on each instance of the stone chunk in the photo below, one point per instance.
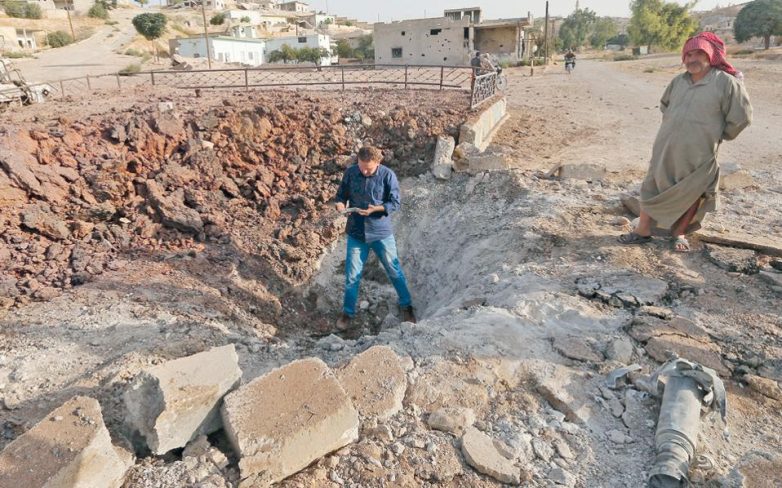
(738, 180)
(442, 165)
(732, 259)
(454, 420)
(175, 402)
(375, 382)
(587, 172)
(577, 348)
(70, 448)
(282, 421)
(172, 209)
(568, 391)
(480, 453)
(39, 219)
(705, 353)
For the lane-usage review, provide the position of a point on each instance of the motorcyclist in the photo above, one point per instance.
(570, 58)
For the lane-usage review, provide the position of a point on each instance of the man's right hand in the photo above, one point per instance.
(340, 207)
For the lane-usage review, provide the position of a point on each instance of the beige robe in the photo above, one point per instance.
(697, 117)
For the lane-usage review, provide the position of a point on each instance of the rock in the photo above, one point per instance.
(375, 382)
(733, 259)
(756, 469)
(620, 221)
(773, 279)
(172, 210)
(485, 162)
(454, 420)
(577, 348)
(631, 203)
(563, 450)
(737, 180)
(10, 195)
(620, 350)
(70, 447)
(38, 218)
(175, 402)
(282, 421)
(480, 453)
(660, 312)
(19, 172)
(623, 289)
(618, 437)
(542, 449)
(764, 386)
(442, 164)
(561, 477)
(588, 172)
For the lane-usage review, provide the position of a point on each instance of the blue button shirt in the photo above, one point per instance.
(357, 190)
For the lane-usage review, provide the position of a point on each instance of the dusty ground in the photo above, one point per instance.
(497, 263)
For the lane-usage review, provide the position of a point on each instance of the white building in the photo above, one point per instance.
(319, 21)
(298, 7)
(251, 52)
(298, 42)
(261, 18)
(244, 31)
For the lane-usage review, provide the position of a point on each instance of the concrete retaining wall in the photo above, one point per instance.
(480, 129)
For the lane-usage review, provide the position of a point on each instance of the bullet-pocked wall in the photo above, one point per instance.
(438, 41)
(502, 41)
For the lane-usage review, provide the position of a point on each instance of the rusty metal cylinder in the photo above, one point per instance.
(677, 432)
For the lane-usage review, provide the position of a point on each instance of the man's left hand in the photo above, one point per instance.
(371, 209)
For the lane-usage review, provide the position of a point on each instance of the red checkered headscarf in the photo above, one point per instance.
(714, 48)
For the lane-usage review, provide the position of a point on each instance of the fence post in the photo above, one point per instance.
(405, 77)
(89, 85)
(152, 76)
(119, 85)
(442, 72)
(472, 88)
(62, 90)
(246, 80)
(343, 78)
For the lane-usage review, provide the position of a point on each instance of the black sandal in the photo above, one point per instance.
(634, 238)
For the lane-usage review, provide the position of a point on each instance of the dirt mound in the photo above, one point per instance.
(242, 175)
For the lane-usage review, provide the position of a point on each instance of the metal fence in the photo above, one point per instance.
(340, 77)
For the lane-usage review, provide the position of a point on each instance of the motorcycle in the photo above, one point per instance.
(570, 65)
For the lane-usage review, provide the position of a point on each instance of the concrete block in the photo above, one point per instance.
(173, 403)
(587, 172)
(480, 130)
(375, 382)
(444, 150)
(70, 448)
(284, 420)
(487, 162)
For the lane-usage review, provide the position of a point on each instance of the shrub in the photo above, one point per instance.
(16, 55)
(245, 19)
(624, 57)
(98, 11)
(217, 19)
(130, 69)
(23, 10)
(58, 39)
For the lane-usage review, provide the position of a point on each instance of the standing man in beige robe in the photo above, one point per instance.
(701, 108)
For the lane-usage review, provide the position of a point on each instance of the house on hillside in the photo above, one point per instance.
(13, 39)
(222, 48)
(451, 40)
(298, 7)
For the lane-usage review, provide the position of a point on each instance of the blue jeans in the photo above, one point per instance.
(357, 254)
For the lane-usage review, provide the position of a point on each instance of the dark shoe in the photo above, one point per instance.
(343, 323)
(634, 238)
(408, 315)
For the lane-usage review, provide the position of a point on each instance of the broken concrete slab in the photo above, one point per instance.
(567, 390)
(70, 448)
(765, 386)
(480, 453)
(772, 278)
(732, 259)
(644, 328)
(623, 289)
(282, 421)
(454, 420)
(765, 245)
(586, 172)
(485, 162)
(706, 353)
(173, 403)
(442, 164)
(621, 350)
(375, 382)
(578, 348)
(756, 469)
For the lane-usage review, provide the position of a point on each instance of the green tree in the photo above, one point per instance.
(245, 19)
(603, 29)
(576, 27)
(151, 26)
(284, 54)
(343, 49)
(365, 49)
(621, 40)
(23, 10)
(660, 23)
(761, 18)
(217, 19)
(312, 54)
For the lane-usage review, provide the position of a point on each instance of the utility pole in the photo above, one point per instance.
(545, 36)
(206, 36)
(68, 11)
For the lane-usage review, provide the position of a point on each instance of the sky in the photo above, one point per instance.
(389, 10)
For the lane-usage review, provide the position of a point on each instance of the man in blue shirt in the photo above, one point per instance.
(371, 192)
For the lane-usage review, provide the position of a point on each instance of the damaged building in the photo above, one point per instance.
(451, 40)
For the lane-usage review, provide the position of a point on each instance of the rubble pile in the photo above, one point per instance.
(243, 175)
